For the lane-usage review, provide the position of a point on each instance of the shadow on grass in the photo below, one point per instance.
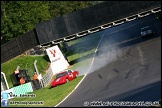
(86, 43)
(46, 58)
(81, 58)
(102, 49)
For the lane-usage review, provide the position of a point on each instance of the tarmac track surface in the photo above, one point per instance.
(126, 67)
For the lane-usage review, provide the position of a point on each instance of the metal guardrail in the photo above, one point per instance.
(121, 21)
(106, 26)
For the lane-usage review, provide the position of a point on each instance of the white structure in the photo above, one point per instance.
(58, 63)
(4, 83)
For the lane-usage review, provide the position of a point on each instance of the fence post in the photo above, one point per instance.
(18, 67)
(35, 66)
(36, 69)
(5, 80)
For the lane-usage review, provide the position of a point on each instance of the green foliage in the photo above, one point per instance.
(19, 17)
(58, 8)
(52, 97)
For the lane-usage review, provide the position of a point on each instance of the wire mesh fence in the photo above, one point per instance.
(47, 77)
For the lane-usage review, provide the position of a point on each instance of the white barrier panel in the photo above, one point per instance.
(58, 62)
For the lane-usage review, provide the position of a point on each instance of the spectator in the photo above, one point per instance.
(35, 76)
(22, 80)
(36, 80)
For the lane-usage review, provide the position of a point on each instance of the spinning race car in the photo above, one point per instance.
(64, 77)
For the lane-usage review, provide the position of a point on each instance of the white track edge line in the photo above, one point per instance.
(85, 74)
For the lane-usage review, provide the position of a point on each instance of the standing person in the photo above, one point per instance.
(22, 80)
(35, 76)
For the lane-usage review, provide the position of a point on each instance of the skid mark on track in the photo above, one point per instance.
(99, 75)
(126, 76)
(141, 55)
(86, 73)
(116, 70)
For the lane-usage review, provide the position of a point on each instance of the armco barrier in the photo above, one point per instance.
(75, 23)
(93, 16)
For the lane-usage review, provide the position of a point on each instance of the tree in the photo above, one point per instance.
(19, 17)
(58, 8)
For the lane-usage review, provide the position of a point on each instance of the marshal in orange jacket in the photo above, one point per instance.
(22, 80)
(35, 77)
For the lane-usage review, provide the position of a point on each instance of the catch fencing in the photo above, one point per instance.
(47, 77)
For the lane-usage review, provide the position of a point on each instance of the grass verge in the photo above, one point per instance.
(82, 51)
(50, 97)
(25, 62)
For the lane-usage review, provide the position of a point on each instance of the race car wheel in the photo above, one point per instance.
(76, 75)
(67, 80)
(50, 87)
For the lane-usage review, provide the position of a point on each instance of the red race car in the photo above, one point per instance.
(64, 77)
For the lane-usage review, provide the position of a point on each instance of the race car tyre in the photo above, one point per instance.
(76, 75)
(67, 80)
(50, 87)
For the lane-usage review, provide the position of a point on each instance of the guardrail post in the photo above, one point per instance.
(35, 66)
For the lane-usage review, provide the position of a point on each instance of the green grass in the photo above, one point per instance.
(51, 97)
(83, 48)
(80, 57)
(82, 51)
(25, 62)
